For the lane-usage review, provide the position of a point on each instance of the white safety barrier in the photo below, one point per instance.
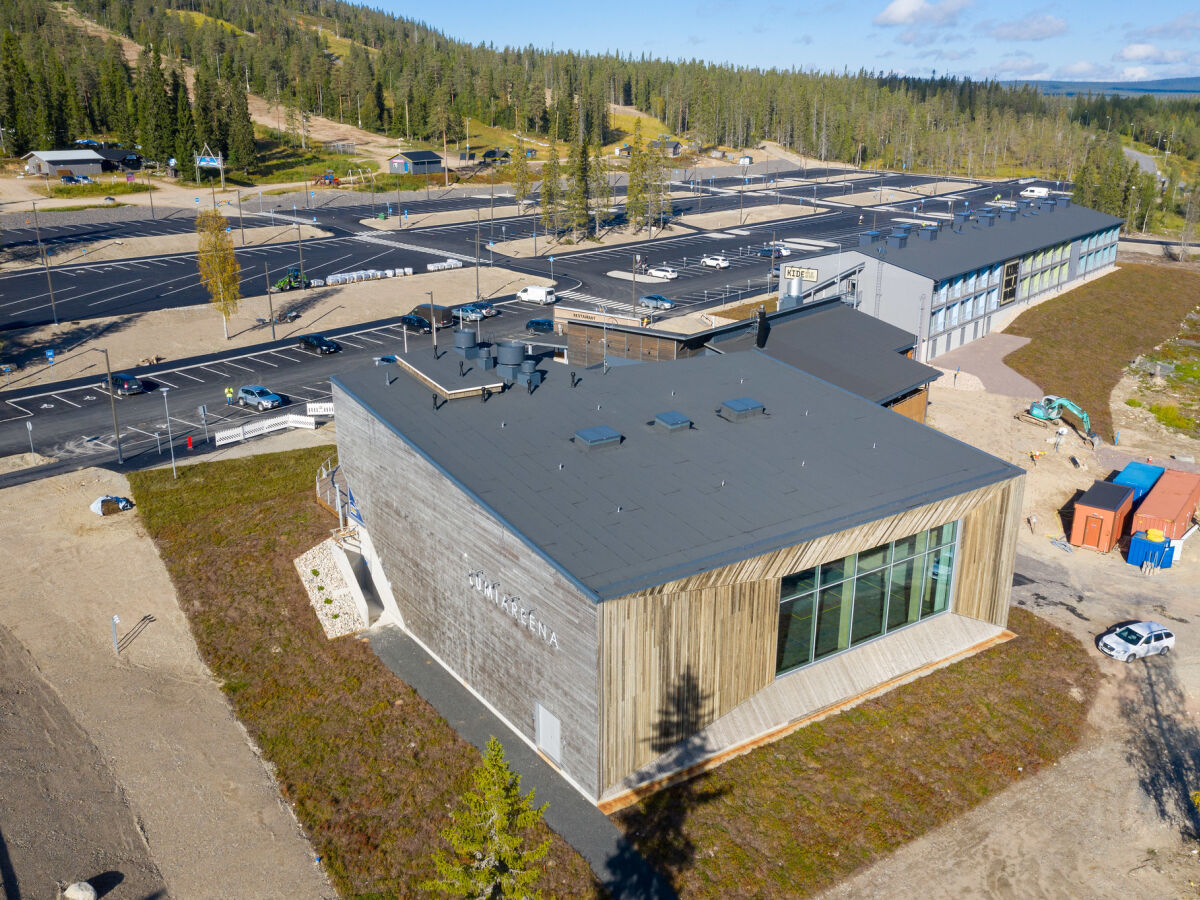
(443, 266)
(262, 426)
(317, 408)
(374, 274)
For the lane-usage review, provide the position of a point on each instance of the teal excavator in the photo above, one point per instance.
(1050, 409)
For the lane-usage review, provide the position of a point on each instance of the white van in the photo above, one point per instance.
(543, 296)
(1035, 193)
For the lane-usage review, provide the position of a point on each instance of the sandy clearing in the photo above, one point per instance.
(156, 715)
(451, 217)
(613, 237)
(753, 215)
(179, 333)
(159, 245)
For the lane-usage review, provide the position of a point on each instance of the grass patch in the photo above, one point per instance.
(99, 189)
(78, 206)
(1082, 341)
(369, 767)
(799, 815)
(276, 161)
(1134, 402)
(1168, 414)
(747, 310)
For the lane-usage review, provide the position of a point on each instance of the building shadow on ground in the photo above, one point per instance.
(1164, 744)
(658, 825)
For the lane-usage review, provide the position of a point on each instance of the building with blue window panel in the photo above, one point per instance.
(952, 282)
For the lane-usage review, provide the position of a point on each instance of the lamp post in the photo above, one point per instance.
(45, 261)
(300, 252)
(112, 400)
(170, 439)
(432, 323)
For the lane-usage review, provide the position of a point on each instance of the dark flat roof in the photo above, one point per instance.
(1105, 495)
(980, 245)
(419, 156)
(662, 505)
(845, 347)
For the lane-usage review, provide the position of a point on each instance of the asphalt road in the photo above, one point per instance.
(72, 421)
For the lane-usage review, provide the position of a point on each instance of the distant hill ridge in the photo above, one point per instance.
(1156, 86)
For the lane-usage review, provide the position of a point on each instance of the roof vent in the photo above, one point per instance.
(1009, 214)
(741, 409)
(1023, 203)
(1064, 202)
(928, 234)
(673, 421)
(869, 237)
(987, 219)
(897, 241)
(597, 436)
(961, 217)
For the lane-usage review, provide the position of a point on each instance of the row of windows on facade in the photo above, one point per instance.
(834, 606)
(969, 282)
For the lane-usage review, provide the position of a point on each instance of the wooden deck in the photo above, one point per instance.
(795, 700)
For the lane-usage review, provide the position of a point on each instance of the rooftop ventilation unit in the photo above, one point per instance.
(673, 421)
(1009, 214)
(897, 241)
(869, 237)
(987, 219)
(741, 409)
(1064, 202)
(928, 234)
(597, 436)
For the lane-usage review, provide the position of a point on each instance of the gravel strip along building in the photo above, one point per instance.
(645, 569)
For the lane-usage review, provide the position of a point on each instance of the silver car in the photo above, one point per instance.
(259, 397)
(1137, 640)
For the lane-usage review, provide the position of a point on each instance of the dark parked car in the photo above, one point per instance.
(317, 343)
(122, 384)
(258, 396)
(415, 324)
(70, 179)
(771, 252)
(540, 326)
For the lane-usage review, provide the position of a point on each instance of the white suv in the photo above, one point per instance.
(715, 262)
(1137, 640)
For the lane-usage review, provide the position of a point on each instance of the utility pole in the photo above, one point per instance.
(300, 251)
(492, 205)
(432, 323)
(150, 191)
(270, 300)
(112, 400)
(212, 187)
(45, 261)
(477, 255)
(241, 223)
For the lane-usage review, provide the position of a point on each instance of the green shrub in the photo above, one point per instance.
(1132, 401)
(1168, 414)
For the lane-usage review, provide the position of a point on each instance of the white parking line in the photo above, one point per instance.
(215, 372)
(264, 362)
(342, 340)
(363, 337)
(237, 366)
(160, 380)
(186, 375)
(65, 400)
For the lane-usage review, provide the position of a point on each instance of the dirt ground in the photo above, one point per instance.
(1114, 817)
(174, 334)
(130, 771)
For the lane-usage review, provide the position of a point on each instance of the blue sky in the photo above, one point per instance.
(1078, 41)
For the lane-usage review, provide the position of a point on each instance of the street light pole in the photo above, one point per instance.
(300, 251)
(150, 191)
(476, 255)
(170, 439)
(241, 222)
(433, 324)
(112, 400)
(45, 262)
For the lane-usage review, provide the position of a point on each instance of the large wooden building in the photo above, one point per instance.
(646, 568)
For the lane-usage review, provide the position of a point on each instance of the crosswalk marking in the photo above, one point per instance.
(596, 301)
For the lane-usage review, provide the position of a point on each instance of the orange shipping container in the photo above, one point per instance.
(1100, 515)
(1170, 504)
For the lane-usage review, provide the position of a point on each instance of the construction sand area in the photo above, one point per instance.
(174, 334)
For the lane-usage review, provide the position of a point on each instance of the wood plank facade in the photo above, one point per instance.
(680, 655)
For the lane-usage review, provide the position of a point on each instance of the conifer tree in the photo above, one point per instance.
(185, 125)
(601, 190)
(519, 171)
(577, 202)
(241, 129)
(490, 855)
(635, 196)
(551, 188)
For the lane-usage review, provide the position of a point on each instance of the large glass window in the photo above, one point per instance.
(844, 602)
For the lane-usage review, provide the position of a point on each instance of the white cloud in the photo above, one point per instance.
(1033, 27)
(949, 55)
(921, 12)
(1137, 51)
(1135, 73)
(1182, 27)
(1080, 69)
(1021, 65)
